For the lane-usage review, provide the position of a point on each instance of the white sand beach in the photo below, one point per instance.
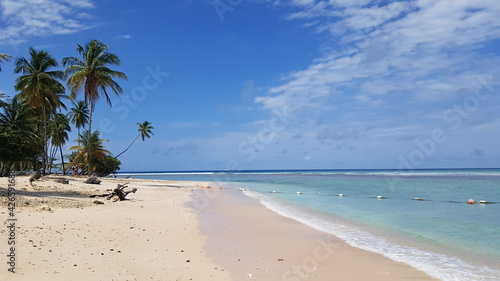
(61, 234)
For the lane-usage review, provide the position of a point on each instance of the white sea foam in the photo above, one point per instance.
(166, 173)
(436, 265)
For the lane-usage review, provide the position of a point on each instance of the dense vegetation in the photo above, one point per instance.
(33, 127)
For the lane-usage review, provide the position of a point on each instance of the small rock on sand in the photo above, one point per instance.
(45, 207)
(93, 180)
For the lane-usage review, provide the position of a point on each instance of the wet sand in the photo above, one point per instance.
(258, 244)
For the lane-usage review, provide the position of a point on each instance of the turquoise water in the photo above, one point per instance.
(458, 240)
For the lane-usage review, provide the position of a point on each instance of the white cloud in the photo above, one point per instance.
(395, 68)
(124, 36)
(419, 48)
(22, 19)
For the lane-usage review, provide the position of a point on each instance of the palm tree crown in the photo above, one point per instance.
(18, 134)
(145, 129)
(18, 118)
(79, 114)
(89, 141)
(91, 72)
(39, 86)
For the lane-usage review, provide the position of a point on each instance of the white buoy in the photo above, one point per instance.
(483, 202)
(274, 191)
(380, 197)
(298, 192)
(341, 195)
(418, 199)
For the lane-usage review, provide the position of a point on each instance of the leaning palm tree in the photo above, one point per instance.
(91, 73)
(89, 142)
(59, 135)
(144, 132)
(40, 87)
(79, 115)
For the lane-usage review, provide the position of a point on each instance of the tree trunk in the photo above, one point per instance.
(52, 157)
(62, 160)
(44, 157)
(129, 145)
(89, 158)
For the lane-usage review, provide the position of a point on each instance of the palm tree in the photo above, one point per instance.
(79, 115)
(18, 116)
(59, 135)
(39, 87)
(144, 132)
(91, 73)
(18, 134)
(89, 142)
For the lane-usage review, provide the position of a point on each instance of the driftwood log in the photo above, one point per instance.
(119, 193)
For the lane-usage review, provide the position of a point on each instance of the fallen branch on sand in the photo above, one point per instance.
(118, 193)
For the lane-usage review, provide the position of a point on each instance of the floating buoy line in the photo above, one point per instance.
(380, 197)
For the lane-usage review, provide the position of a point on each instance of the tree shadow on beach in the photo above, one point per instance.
(55, 194)
(67, 194)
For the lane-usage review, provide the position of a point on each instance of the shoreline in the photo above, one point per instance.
(256, 243)
(177, 230)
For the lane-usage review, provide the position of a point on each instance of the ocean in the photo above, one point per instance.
(419, 217)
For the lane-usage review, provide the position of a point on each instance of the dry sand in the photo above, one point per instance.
(62, 235)
(144, 238)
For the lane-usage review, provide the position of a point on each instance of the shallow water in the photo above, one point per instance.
(448, 227)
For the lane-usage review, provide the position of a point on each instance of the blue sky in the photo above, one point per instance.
(284, 84)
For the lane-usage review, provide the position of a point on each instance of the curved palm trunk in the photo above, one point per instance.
(129, 145)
